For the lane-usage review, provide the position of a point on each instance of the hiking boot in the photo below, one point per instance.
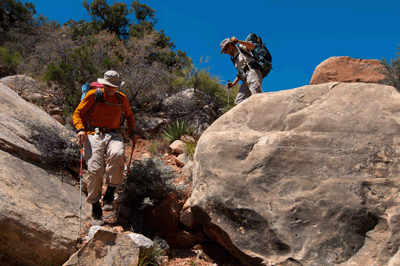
(96, 214)
(107, 206)
(108, 199)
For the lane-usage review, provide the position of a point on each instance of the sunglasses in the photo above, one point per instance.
(106, 86)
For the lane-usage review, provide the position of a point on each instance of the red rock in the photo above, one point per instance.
(164, 217)
(347, 69)
(184, 239)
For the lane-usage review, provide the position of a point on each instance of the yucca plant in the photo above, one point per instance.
(175, 130)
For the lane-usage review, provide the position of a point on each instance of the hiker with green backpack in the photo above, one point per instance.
(252, 61)
(97, 120)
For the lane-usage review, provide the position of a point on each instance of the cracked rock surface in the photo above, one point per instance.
(308, 176)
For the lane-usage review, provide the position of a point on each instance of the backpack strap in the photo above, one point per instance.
(99, 97)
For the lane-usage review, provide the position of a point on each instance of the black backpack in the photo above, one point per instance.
(260, 53)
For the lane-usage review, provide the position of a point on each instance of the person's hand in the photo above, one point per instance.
(229, 85)
(234, 40)
(81, 137)
(134, 138)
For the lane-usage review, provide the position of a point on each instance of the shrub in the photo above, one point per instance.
(391, 69)
(55, 146)
(153, 147)
(175, 130)
(151, 258)
(148, 182)
(9, 60)
(190, 148)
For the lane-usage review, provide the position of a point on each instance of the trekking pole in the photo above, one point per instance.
(247, 64)
(123, 191)
(80, 191)
(229, 90)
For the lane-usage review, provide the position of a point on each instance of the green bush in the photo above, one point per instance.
(175, 130)
(9, 60)
(55, 146)
(151, 258)
(391, 70)
(190, 148)
(147, 183)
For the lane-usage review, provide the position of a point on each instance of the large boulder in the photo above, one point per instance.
(106, 248)
(15, 113)
(39, 222)
(307, 176)
(347, 69)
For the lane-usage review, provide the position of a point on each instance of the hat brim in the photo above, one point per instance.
(223, 48)
(105, 82)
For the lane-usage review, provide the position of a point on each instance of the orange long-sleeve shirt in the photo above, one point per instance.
(103, 115)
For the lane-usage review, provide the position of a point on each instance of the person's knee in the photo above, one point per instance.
(95, 168)
(118, 154)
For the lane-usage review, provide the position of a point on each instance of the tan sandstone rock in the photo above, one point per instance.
(347, 69)
(178, 147)
(106, 248)
(308, 176)
(39, 222)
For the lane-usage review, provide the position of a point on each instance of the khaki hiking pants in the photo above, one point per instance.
(250, 86)
(104, 154)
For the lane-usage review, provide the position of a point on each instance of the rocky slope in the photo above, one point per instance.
(39, 215)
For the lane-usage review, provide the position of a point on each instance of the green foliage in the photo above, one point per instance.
(112, 18)
(230, 96)
(78, 65)
(9, 59)
(153, 147)
(391, 69)
(151, 258)
(82, 28)
(145, 20)
(148, 182)
(190, 149)
(193, 262)
(202, 80)
(55, 145)
(175, 130)
(15, 14)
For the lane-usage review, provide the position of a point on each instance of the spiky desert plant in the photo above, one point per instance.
(175, 130)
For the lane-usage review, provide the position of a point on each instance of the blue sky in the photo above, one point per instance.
(299, 34)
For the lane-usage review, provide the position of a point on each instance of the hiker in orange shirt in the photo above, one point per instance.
(97, 120)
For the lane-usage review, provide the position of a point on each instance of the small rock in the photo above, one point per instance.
(56, 111)
(118, 229)
(186, 216)
(185, 138)
(36, 97)
(178, 147)
(181, 160)
(145, 245)
(92, 231)
(162, 244)
(59, 119)
(144, 156)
